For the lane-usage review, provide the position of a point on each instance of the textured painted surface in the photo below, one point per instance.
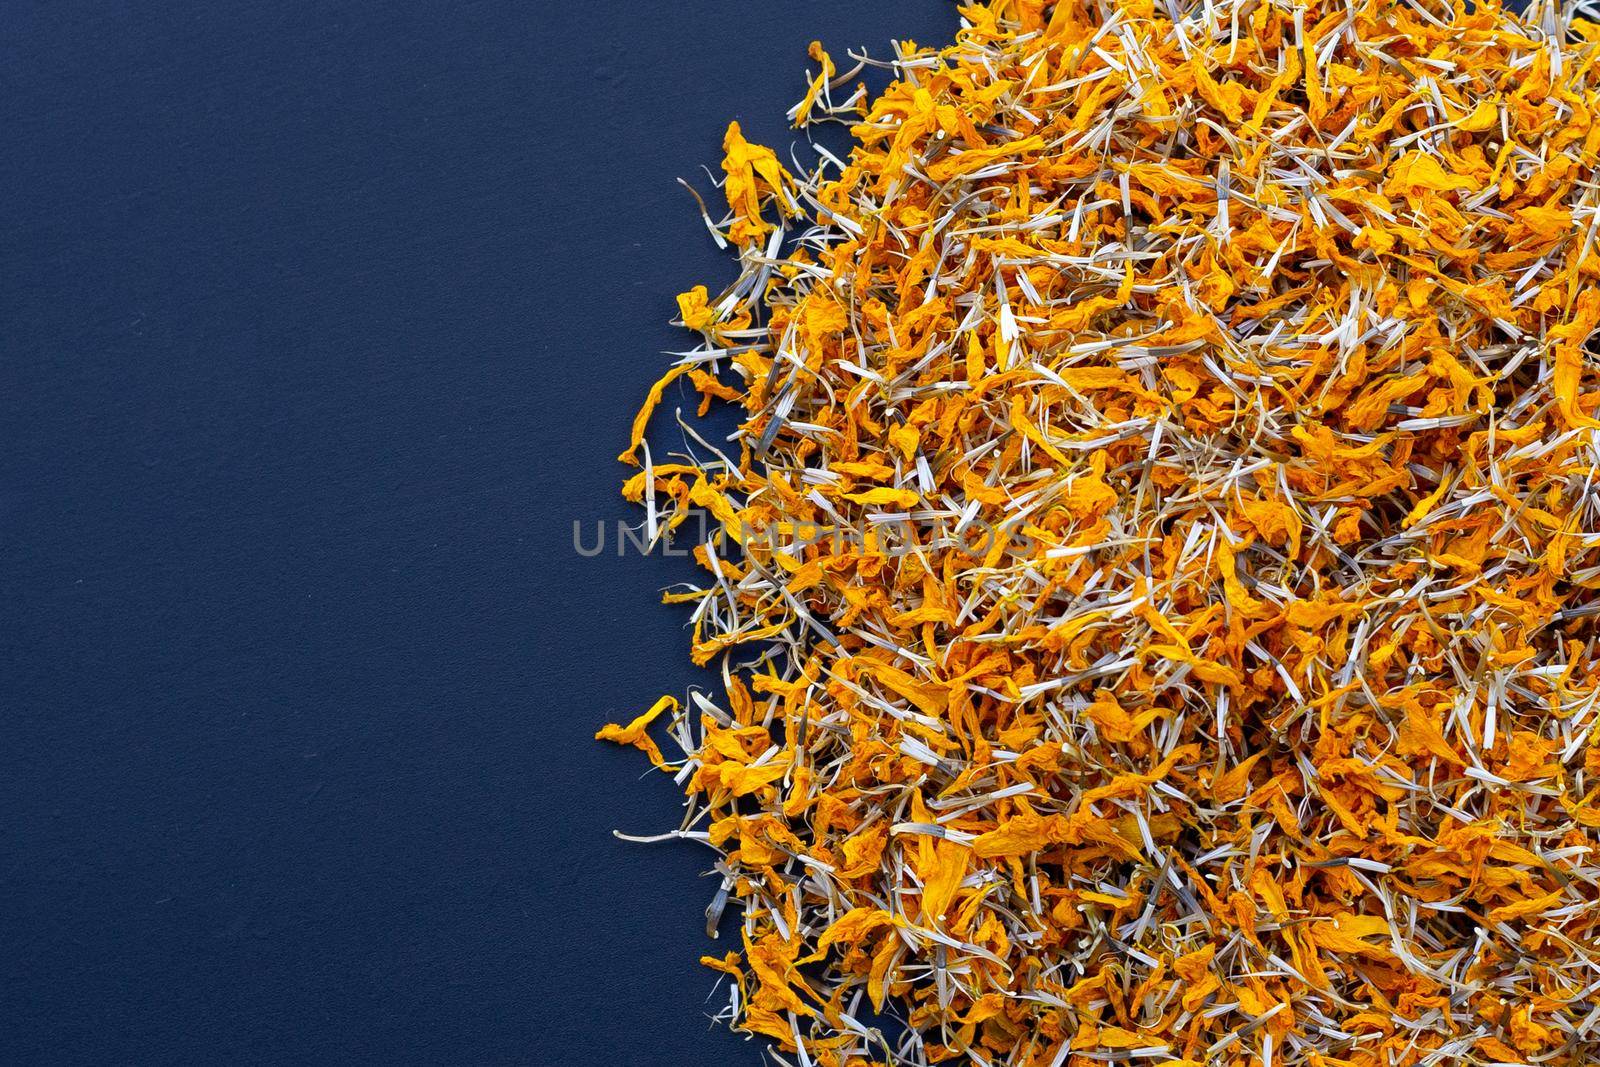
(321, 325)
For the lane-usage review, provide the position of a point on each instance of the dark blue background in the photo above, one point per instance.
(319, 324)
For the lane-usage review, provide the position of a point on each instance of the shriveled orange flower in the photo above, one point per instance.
(1154, 578)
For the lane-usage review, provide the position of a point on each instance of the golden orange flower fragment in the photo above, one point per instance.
(1154, 579)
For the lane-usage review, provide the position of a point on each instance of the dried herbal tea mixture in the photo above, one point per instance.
(1154, 578)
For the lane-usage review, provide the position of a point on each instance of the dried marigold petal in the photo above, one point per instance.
(1156, 577)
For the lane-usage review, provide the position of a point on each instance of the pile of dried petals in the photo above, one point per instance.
(1154, 578)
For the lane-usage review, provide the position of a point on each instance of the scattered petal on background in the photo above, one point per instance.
(1154, 578)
